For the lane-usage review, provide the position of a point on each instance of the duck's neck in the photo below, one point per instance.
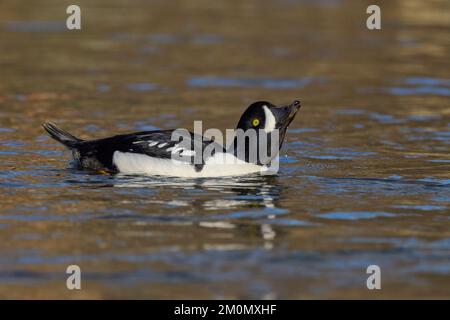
(260, 152)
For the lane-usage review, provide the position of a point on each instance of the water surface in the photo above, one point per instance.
(364, 175)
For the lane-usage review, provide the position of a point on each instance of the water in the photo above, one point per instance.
(364, 173)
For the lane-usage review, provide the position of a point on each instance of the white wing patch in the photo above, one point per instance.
(181, 151)
(270, 120)
(174, 150)
(188, 153)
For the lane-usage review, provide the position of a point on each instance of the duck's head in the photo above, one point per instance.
(266, 118)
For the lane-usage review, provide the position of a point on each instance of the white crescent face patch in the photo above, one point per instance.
(270, 120)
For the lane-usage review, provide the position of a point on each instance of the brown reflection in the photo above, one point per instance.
(372, 137)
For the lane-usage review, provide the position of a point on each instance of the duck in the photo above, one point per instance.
(181, 153)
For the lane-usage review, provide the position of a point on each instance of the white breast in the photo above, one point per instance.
(219, 165)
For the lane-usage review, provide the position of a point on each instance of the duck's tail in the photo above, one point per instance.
(61, 136)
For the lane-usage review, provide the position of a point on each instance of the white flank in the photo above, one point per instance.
(219, 165)
(270, 120)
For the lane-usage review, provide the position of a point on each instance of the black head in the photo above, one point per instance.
(266, 117)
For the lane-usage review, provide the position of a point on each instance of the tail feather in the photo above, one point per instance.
(61, 135)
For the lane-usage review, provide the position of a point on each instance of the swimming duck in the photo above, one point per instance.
(160, 152)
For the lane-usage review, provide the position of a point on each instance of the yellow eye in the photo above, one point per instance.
(255, 122)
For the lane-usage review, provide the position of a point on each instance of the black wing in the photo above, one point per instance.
(98, 154)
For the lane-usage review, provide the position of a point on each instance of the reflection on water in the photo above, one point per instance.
(269, 83)
(238, 192)
(364, 175)
(35, 26)
(422, 86)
